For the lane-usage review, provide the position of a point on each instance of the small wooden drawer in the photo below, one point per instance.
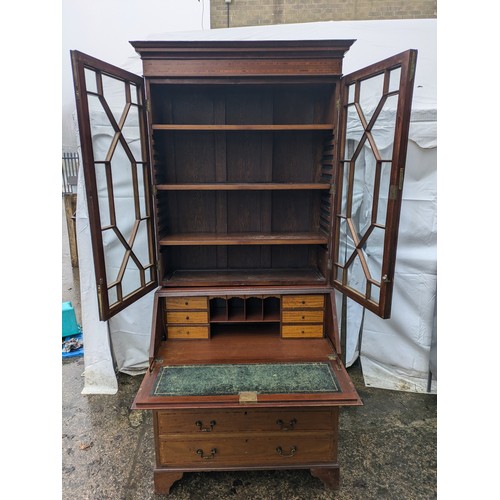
(187, 332)
(216, 421)
(187, 317)
(185, 303)
(245, 450)
(310, 316)
(303, 301)
(302, 331)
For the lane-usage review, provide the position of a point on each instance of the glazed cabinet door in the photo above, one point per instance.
(374, 119)
(112, 127)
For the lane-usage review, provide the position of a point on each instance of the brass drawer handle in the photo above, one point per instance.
(291, 424)
(279, 451)
(213, 451)
(199, 424)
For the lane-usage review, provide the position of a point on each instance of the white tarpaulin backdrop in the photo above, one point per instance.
(395, 353)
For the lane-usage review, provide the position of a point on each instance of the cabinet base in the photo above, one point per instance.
(164, 479)
(329, 477)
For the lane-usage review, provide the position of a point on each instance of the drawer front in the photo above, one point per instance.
(303, 301)
(307, 316)
(302, 331)
(187, 332)
(187, 317)
(185, 303)
(263, 449)
(258, 420)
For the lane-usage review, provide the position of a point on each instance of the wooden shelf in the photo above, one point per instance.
(189, 239)
(299, 126)
(244, 277)
(258, 186)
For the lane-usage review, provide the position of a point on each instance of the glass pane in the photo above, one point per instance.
(140, 247)
(113, 295)
(132, 134)
(143, 212)
(345, 188)
(101, 130)
(356, 278)
(385, 127)
(354, 132)
(114, 93)
(385, 180)
(371, 90)
(374, 252)
(374, 293)
(102, 194)
(394, 79)
(90, 80)
(131, 278)
(345, 244)
(366, 166)
(351, 93)
(134, 94)
(123, 191)
(340, 273)
(114, 253)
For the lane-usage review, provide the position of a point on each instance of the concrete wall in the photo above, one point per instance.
(264, 12)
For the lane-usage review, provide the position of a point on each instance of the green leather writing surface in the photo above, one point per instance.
(219, 380)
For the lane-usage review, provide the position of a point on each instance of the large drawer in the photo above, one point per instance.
(245, 450)
(258, 420)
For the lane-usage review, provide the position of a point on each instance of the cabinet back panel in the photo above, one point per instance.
(238, 212)
(241, 104)
(249, 107)
(248, 156)
(244, 257)
(191, 212)
(184, 152)
(297, 156)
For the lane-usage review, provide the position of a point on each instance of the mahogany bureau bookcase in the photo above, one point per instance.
(245, 181)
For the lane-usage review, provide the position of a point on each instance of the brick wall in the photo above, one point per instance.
(261, 12)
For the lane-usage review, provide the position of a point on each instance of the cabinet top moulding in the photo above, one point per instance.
(258, 186)
(242, 58)
(246, 126)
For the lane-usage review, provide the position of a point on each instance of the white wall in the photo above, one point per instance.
(104, 28)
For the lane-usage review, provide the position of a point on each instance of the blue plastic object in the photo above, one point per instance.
(69, 324)
(75, 352)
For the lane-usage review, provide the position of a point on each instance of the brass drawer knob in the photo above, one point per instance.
(279, 451)
(199, 424)
(290, 427)
(213, 451)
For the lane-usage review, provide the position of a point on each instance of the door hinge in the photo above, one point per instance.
(148, 105)
(332, 189)
(330, 264)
